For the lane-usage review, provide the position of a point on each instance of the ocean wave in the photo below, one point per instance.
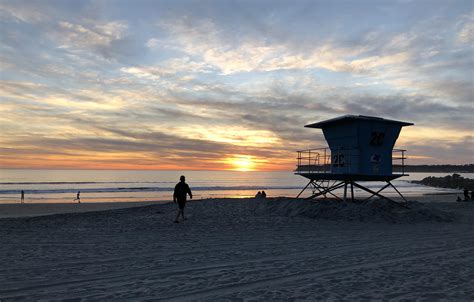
(137, 189)
(147, 189)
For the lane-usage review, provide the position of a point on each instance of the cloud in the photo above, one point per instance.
(168, 68)
(466, 29)
(371, 63)
(106, 38)
(204, 41)
(157, 87)
(23, 11)
(180, 151)
(440, 151)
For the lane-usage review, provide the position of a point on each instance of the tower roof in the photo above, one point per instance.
(351, 118)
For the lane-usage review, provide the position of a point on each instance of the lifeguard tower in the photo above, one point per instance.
(360, 149)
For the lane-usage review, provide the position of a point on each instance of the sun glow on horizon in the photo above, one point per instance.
(242, 163)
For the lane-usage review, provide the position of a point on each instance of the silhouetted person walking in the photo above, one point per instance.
(180, 191)
(22, 196)
(78, 197)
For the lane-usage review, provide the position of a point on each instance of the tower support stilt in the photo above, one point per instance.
(320, 189)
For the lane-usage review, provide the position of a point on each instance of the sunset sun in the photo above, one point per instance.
(242, 163)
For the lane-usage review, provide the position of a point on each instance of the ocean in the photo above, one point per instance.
(57, 186)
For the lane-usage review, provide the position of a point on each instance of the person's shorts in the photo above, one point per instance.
(181, 204)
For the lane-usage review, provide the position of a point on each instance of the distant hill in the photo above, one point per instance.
(454, 181)
(438, 168)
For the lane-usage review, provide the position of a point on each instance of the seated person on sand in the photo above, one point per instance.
(258, 195)
(459, 199)
(264, 195)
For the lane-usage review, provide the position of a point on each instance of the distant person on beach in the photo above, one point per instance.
(459, 199)
(264, 195)
(22, 196)
(258, 195)
(472, 195)
(180, 191)
(466, 195)
(78, 197)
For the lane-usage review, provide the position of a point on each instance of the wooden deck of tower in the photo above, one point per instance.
(360, 149)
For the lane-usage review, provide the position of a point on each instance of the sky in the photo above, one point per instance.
(228, 85)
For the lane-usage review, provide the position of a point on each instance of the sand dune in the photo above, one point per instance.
(232, 249)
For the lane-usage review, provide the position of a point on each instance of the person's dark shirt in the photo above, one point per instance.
(180, 191)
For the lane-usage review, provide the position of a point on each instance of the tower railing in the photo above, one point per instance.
(322, 160)
(398, 160)
(314, 161)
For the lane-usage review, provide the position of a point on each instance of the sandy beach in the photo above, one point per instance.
(243, 249)
(10, 210)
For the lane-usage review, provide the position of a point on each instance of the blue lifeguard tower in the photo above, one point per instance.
(360, 149)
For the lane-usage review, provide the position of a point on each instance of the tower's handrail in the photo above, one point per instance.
(399, 155)
(320, 160)
(314, 160)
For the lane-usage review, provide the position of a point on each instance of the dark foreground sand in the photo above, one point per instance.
(42, 209)
(231, 250)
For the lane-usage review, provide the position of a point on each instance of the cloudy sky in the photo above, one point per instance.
(227, 84)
